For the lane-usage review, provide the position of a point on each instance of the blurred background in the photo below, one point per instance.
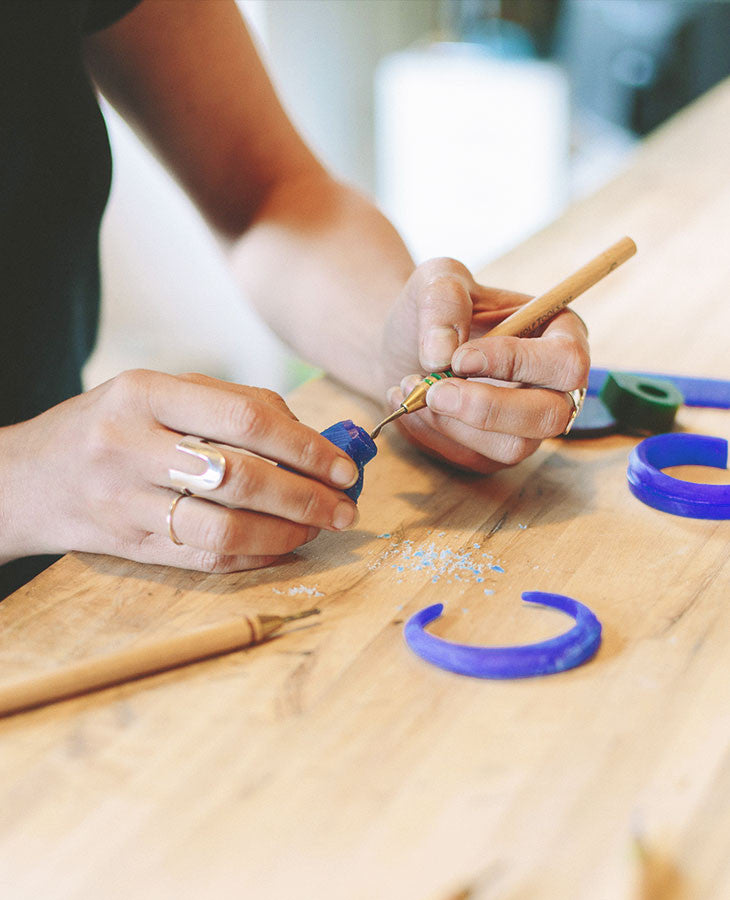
(472, 122)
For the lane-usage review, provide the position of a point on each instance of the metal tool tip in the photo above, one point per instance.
(396, 414)
(314, 611)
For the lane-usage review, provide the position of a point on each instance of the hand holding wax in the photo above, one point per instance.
(101, 473)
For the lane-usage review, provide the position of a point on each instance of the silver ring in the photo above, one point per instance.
(577, 398)
(213, 475)
(170, 530)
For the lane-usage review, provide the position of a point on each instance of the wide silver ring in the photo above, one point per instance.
(170, 511)
(215, 466)
(577, 398)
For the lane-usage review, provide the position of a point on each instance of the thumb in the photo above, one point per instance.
(442, 294)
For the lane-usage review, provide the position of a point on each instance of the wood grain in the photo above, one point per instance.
(331, 763)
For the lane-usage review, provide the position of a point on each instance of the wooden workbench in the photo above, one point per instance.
(331, 763)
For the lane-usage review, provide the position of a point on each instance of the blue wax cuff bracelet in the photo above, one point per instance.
(709, 392)
(544, 658)
(672, 495)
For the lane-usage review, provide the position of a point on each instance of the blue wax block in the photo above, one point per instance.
(357, 443)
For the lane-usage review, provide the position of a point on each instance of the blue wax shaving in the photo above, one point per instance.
(357, 443)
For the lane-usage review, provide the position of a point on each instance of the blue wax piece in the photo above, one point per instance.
(673, 495)
(357, 443)
(594, 420)
(708, 392)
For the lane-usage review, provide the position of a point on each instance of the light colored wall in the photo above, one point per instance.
(168, 300)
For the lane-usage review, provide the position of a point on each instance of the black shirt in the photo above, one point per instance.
(55, 172)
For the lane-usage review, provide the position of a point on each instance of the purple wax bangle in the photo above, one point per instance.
(357, 443)
(672, 495)
(544, 658)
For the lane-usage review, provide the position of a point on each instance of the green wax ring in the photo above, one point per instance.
(641, 405)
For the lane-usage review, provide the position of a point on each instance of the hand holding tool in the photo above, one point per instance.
(528, 318)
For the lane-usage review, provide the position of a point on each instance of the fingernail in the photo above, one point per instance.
(311, 534)
(439, 344)
(470, 361)
(443, 397)
(345, 516)
(343, 473)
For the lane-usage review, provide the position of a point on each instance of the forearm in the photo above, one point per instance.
(323, 266)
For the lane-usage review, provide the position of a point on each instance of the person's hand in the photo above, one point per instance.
(92, 474)
(440, 320)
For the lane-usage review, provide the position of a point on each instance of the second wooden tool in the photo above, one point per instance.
(143, 659)
(528, 318)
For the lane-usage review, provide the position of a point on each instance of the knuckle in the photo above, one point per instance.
(517, 360)
(484, 416)
(310, 507)
(312, 453)
(247, 417)
(269, 396)
(215, 563)
(291, 538)
(443, 267)
(554, 419)
(130, 384)
(101, 440)
(576, 366)
(221, 534)
(246, 480)
(514, 449)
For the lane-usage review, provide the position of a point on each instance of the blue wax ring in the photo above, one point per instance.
(545, 658)
(357, 443)
(672, 495)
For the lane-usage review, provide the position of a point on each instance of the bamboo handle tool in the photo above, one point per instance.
(136, 662)
(531, 316)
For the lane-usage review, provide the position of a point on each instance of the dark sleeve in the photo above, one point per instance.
(103, 13)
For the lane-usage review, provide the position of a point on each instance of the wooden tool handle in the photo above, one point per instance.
(133, 662)
(540, 310)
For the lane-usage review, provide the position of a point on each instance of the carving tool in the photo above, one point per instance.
(528, 318)
(138, 661)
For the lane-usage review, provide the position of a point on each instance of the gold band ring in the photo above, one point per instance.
(170, 530)
(577, 398)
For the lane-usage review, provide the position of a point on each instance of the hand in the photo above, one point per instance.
(440, 320)
(92, 474)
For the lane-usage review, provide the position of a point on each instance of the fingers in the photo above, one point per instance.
(484, 426)
(242, 417)
(212, 538)
(256, 484)
(463, 446)
(558, 359)
(216, 529)
(464, 407)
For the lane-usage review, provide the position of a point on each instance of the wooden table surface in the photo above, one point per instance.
(333, 763)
